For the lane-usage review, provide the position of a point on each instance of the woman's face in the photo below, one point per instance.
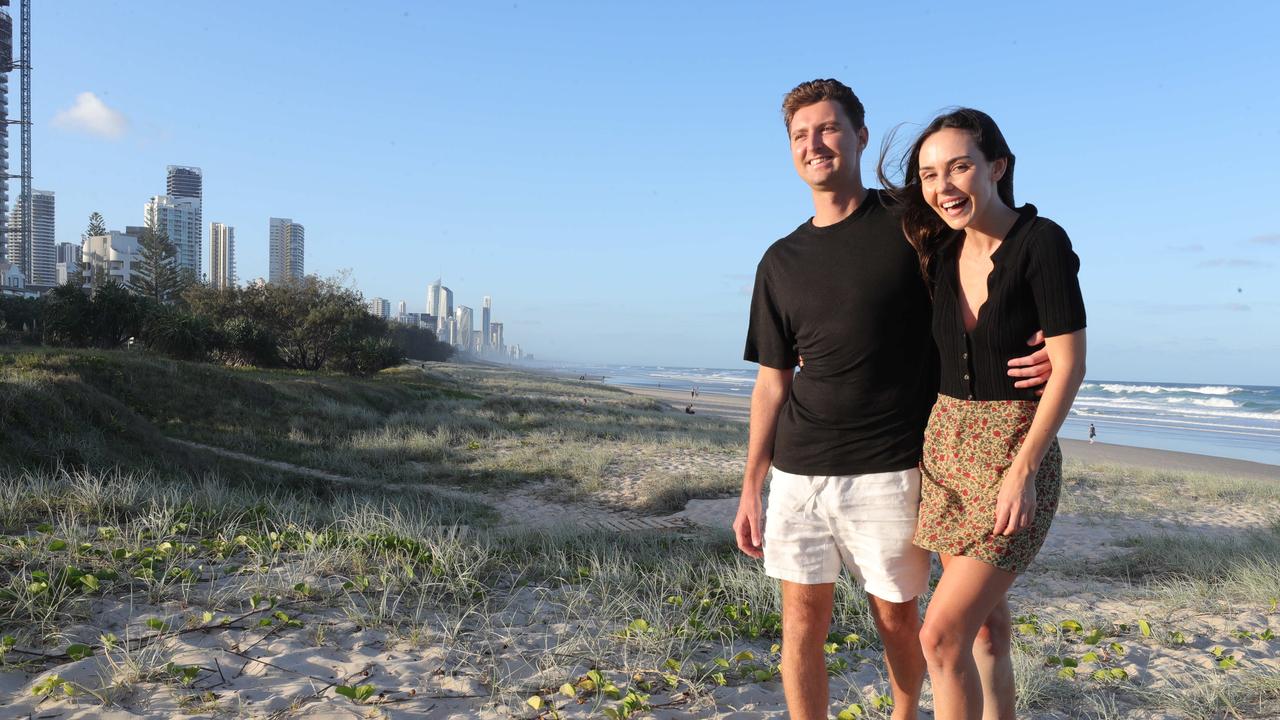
(957, 181)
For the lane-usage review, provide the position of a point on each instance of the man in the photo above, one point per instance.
(843, 292)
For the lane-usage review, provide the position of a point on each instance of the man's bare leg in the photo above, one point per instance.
(899, 627)
(806, 621)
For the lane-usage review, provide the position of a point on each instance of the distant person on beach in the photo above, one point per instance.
(992, 467)
(843, 437)
(688, 409)
(1093, 433)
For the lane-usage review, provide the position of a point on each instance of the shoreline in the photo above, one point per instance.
(738, 408)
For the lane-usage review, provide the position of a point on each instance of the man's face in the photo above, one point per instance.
(825, 146)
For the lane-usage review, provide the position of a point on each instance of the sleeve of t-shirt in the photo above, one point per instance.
(1053, 273)
(770, 341)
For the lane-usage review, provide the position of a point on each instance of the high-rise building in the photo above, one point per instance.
(187, 183)
(222, 256)
(380, 307)
(179, 219)
(287, 243)
(39, 261)
(495, 337)
(6, 61)
(68, 261)
(184, 182)
(485, 308)
(440, 305)
(115, 253)
(463, 319)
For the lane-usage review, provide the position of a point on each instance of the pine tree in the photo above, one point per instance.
(156, 275)
(94, 276)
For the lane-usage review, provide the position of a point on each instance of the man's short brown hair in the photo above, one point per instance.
(815, 91)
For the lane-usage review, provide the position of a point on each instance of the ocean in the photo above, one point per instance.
(1233, 421)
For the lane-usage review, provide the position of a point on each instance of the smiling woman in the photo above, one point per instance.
(991, 468)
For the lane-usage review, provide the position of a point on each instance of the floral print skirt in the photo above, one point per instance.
(968, 446)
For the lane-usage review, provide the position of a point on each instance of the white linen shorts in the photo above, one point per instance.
(814, 524)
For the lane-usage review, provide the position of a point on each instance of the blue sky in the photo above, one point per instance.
(610, 173)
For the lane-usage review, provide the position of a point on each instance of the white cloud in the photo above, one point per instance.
(91, 116)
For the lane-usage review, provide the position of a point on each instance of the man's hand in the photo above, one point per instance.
(1035, 368)
(748, 526)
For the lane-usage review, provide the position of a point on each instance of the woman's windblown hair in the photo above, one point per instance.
(926, 232)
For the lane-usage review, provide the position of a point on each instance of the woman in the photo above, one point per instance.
(991, 467)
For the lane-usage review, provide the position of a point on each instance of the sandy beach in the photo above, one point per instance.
(473, 542)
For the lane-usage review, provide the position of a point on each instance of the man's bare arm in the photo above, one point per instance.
(1034, 369)
(773, 386)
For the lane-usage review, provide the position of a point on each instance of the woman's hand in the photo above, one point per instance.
(1016, 504)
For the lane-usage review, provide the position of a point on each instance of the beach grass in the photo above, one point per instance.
(377, 575)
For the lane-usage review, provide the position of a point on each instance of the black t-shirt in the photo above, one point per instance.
(849, 299)
(1033, 285)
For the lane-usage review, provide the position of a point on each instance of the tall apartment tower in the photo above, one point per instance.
(463, 323)
(222, 256)
(495, 337)
(179, 219)
(287, 243)
(6, 62)
(38, 261)
(484, 321)
(380, 307)
(186, 184)
(439, 305)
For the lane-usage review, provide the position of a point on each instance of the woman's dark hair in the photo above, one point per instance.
(926, 232)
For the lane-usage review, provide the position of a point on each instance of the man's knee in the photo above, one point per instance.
(895, 620)
(806, 610)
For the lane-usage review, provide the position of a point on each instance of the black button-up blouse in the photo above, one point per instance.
(1032, 286)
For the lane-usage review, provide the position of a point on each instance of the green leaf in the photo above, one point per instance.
(721, 662)
(853, 712)
(1089, 657)
(1028, 628)
(1070, 662)
(1217, 650)
(638, 625)
(1145, 628)
(89, 582)
(1093, 637)
(744, 656)
(359, 693)
(1071, 626)
(534, 702)
(568, 690)
(206, 617)
(79, 651)
(1067, 673)
(156, 624)
(1119, 674)
(56, 545)
(1227, 662)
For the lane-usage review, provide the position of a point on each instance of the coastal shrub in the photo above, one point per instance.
(177, 334)
(65, 311)
(116, 314)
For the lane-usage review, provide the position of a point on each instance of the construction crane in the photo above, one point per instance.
(24, 121)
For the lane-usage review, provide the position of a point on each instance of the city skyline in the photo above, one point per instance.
(623, 224)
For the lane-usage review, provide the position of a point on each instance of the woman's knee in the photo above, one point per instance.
(995, 636)
(943, 641)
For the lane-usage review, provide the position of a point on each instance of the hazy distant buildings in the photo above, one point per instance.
(38, 261)
(485, 308)
(222, 256)
(6, 57)
(380, 307)
(287, 242)
(440, 305)
(179, 219)
(495, 337)
(115, 254)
